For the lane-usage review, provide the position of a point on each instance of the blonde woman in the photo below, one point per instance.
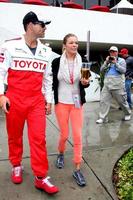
(69, 96)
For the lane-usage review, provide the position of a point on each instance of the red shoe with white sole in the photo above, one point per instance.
(45, 185)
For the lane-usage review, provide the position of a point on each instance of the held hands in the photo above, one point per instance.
(4, 103)
(48, 108)
(84, 81)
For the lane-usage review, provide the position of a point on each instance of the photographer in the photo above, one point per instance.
(114, 85)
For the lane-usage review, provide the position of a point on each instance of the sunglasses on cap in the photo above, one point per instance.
(42, 24)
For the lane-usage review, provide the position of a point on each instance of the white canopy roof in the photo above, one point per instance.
(123, 4)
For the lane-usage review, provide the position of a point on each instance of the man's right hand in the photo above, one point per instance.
(107, 58)
(3, 103)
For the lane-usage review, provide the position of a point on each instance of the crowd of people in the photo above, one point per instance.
(34, 79)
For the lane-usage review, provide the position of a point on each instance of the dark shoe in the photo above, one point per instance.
(60, 161)
(79, 178)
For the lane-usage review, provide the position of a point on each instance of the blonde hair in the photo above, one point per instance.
(68, 36)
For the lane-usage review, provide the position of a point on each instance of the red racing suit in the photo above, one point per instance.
(27, 76)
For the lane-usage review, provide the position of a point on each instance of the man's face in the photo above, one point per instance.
(113, 53)
(39, 29)
(124, 55)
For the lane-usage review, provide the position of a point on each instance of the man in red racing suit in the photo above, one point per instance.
(26, 63)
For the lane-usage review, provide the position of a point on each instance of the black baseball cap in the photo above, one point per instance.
(32, 17)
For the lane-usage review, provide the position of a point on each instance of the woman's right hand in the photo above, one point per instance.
(84, 81)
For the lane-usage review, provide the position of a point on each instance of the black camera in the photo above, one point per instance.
(110, 59)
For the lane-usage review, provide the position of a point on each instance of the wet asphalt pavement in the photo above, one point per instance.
(102, 147)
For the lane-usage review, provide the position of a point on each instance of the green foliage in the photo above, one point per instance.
(124, 171)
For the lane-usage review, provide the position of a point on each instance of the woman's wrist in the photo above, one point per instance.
(1, 95)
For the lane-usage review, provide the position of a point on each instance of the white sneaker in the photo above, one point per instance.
(101, 121)
(127, 117)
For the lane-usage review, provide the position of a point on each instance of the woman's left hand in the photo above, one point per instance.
(84, 81)
(48, 108)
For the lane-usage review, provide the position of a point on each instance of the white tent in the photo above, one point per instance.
(123, 7)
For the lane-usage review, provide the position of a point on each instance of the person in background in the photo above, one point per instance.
(129, 73)
(69, 97)
(27, 62)
(114, 86)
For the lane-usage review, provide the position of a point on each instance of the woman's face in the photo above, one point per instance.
(71, 45)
